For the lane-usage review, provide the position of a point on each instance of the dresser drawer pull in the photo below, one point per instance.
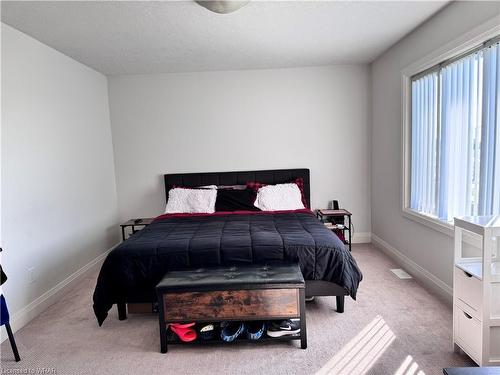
(467, 274)
(467, 315)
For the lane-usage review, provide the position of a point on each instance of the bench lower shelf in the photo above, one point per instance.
(172, 339)
(239, 340)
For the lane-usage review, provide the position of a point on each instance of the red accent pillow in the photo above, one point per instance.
(300, 183)
(255, 186)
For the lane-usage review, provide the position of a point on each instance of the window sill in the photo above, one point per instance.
(442, 227)
(436, 224)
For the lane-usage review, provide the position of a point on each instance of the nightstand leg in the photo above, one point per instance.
(123, 233)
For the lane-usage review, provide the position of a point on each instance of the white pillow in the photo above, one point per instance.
(191, 201)
(279, 197)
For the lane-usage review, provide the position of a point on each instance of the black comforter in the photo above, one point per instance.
(132, 270)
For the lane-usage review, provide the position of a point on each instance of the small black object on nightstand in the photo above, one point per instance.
(143, 222)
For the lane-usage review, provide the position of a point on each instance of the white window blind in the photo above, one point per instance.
(460, 134)
(455, 137)
(489, 197)
(424, 143)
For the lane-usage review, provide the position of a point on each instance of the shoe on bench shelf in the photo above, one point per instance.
(283, 328)
(255, 330)
(231, 330)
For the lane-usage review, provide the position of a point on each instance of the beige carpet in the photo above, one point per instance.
(395, 327)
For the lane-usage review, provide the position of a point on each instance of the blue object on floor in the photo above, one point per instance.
(4, 312)
(4, 320)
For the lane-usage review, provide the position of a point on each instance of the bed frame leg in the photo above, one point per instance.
(122, 311)
(340, 304)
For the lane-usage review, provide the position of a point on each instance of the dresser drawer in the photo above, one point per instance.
(468, 290)
(236, 304)
(468, 334)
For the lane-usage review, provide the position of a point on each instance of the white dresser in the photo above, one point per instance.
(476, 288)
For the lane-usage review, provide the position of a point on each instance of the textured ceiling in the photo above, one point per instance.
(124, 37)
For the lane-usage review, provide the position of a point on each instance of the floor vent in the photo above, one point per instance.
(402, 274)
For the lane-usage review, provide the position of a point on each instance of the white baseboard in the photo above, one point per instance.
(362, 237)
(35, 308)
(433, 283)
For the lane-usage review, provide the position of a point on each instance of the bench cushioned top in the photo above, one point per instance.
(227, 278)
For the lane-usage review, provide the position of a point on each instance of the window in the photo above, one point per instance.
(454, 167)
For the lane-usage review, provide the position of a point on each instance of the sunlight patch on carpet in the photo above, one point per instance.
(409, 367)
(361, 353)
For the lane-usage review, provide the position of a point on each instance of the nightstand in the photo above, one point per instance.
(142, 223)
(324, 215)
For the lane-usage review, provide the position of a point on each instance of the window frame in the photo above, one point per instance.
(465, 43)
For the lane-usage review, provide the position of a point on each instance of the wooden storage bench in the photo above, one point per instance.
(233, 294)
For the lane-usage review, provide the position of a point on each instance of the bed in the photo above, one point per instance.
(185, 241)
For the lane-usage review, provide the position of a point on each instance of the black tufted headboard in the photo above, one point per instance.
(272, 176)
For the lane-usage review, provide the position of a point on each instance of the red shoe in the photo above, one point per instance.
(183, 331)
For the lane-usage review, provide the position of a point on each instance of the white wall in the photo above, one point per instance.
(59, 206)
(424, 246)
(243, 120)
